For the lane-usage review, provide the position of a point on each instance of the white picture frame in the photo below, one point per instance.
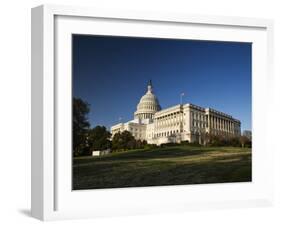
(52, 198)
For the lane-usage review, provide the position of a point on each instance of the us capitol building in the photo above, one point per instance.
(182, 122)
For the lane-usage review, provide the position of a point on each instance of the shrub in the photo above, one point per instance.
(150, 146)
(195, 144)
(169, 144)
(186, 142)
(220, 140)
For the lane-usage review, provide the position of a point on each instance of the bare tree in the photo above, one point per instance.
(243, 140)
(205, 138)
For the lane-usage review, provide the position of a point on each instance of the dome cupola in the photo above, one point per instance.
(148, 105)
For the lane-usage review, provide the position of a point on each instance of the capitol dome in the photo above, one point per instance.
(148, 105)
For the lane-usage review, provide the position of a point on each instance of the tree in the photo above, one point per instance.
(243, 140)
(80, 126)
(223, 140)
(99, 138)
(215, 140)
(205, 138)
(116, 141)
(125, 141)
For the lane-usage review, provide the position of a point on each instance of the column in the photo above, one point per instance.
(216, 123)
(226, 125)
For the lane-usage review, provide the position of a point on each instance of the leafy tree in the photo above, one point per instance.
(99, 138)
(126, 141)
(80, 125)
(141, 144)
(117, 141)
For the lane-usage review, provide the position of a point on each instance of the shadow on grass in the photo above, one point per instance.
(132, 155)
(168, 169)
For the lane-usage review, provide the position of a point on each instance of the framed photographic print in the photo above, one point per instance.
(137, 112)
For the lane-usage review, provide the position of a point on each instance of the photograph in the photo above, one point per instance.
(152, 111)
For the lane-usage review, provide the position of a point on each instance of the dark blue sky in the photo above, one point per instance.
(111, 74)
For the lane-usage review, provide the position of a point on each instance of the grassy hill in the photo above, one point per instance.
(163, 166)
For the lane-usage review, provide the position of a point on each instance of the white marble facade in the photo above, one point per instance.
(182, 122)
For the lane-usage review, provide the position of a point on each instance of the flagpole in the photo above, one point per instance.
(181, 99)
(181, 95)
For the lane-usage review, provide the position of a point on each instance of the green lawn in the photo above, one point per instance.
(163, 166)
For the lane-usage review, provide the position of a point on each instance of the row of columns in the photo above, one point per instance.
(166, 133)
(145, 115)
(168, 120)
(221, 124)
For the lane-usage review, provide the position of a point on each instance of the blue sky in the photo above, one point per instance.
(111, 74)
